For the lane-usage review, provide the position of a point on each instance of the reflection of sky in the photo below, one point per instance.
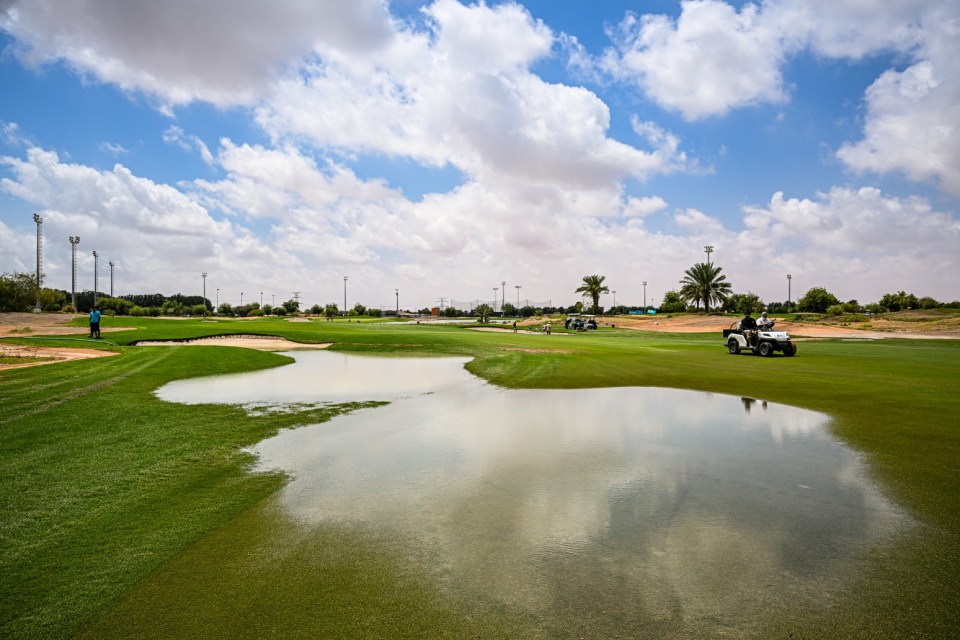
(584, 498)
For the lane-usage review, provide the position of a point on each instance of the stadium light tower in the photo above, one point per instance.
(503, 294)
(39, 221)
(709, 250)
(74, 241)
(644, 297)
(397, 292)
(111, 277)
(517, 287)
(96, 276)
(614, 298)
(203, 275)
(344, 296)
(495, 289)
(789, 278)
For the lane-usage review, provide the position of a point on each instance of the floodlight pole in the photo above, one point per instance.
(644, 297)
(344, 296)
(111, 277)
(96, 276)
(204, 276)
(517, 287)
(614, 298)
(39, 221)
(218, 298)
(789, 278)
(503, 294)
(74, 241)
(709, 250)
(397, 292)
(495, 289)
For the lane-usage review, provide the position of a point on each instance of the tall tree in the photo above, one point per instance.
(592, 288)
(703, 283)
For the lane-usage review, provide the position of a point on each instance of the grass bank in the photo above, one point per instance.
(103, 484)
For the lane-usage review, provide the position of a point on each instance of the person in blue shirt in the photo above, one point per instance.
(95, 322)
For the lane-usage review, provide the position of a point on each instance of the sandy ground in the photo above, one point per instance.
(914, 325)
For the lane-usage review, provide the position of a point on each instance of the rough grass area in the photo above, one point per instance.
(103, 486)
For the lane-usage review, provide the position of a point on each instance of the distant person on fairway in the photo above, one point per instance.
(94, 322)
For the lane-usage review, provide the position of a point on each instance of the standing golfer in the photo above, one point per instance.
(95, 322)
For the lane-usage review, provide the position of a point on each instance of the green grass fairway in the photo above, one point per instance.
(103, 486)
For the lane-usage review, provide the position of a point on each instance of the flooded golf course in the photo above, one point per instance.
(630, 512)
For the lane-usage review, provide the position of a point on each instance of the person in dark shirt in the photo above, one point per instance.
(749, 327)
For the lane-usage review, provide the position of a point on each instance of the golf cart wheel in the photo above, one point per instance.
(733, 346)
(791, 349)
(765, 349)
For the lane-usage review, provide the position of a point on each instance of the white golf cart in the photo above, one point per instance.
(763, 342)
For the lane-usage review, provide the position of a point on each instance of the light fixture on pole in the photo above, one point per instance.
(96, 274)
(344, 296)
(495, 289)
(614, 298)
(397, 292)
(39, 221)
(644, 297)
(74, 241)
(218, 298)
(789, 278)
(111, 277)
(241, 298)
(709, 250)
(503, 294)
(517, 287)
(203, 275)
(261, 299)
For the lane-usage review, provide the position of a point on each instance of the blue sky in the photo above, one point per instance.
(441, 148)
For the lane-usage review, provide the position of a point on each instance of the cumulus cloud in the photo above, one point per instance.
(879, 242)
(710, 60)
(463, 95)
(221, 51)
(912, 122)
(714, 58)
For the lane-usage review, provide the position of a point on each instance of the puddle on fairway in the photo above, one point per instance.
(625, 506)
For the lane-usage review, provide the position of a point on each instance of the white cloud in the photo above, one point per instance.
(221, 51)
(710, 60)
(913, 116)
(857, 241)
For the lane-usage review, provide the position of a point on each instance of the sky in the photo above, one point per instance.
(461, 151)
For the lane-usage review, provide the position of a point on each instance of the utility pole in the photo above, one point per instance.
(74, 241)
(111, 277)
(39, 221)
(96, 276)
(441, 301)
(709, 250)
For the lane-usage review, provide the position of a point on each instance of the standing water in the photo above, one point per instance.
(610, 510)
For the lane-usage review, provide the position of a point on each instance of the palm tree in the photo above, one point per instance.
(703, 283)
(592, 287)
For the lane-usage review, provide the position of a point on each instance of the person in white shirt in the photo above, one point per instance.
(764, 322)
